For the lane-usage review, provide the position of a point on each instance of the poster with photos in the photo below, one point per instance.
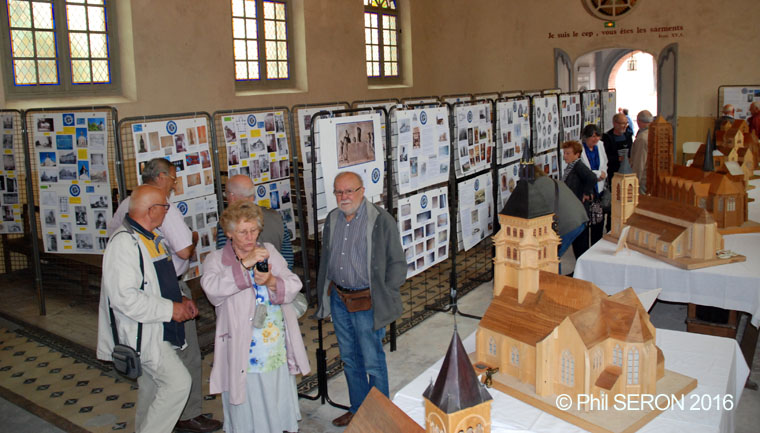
(508, 177)
(592, 110)
(308, 152)
(546, 122)
(185, 143)
(423, 223)
(474, 141)
(476, 212)
(570, 111)
(422, 154)
(75, 190)
(609, 108)
(513, 119)
(200, 216)
(276, 195)
(548, 163)
(10, 205)
(741, 98)
(257, 145)
(350, 144)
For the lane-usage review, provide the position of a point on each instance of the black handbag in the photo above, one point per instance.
(126, 360)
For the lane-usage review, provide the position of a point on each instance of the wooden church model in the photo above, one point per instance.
(548, 334)
(722, 193)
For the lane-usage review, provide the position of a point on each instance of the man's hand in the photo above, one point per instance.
(603, 176)
(180, 312)
(191, 307)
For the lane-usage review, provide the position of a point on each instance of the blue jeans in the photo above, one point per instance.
(361, 349)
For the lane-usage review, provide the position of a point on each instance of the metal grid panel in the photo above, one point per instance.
(82, 271)
(14, 261)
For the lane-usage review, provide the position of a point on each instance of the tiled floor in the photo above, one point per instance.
(417, 349)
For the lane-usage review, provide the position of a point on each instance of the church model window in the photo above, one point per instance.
(617, 356)
(597, 359)
(568, 369)
(731, 204)
(522, 234)
(702, 202)
(515, 357)
(617, 192)
(630, 194)
(633, 367)
(664, 248)
(492, 346)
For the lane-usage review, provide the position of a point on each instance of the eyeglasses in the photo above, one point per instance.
(173, 178)
(165, 206)
(348, 192)
(246, 233)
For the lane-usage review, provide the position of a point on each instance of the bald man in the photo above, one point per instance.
(275, 232)
(140, 285)
(362, 258)
(727, 116)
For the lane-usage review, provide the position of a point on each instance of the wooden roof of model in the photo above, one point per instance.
(674, 209)
(541, 312)
(620, 316)
(457, 386)
(666, 231)
(378, 414)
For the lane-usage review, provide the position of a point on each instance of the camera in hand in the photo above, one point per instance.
(262, 266)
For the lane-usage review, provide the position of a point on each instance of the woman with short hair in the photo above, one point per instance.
(258, 346)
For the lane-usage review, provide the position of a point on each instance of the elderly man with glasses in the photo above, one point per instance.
(140, 285)
(162, 174)
(361, 270)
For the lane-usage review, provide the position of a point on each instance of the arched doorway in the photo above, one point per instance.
(632, 73)
(634, 78)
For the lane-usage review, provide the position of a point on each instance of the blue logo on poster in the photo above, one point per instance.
(182, 206)
(376, 175)
(171, 127)
(477, 184)
(423, 201)
(89, 189)
(423, 117)
(469, 116)
(261, 191)
(68, 119)
(74, 190)
(251, 120)
(80, 121)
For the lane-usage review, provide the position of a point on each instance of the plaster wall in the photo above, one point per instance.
(177, 55)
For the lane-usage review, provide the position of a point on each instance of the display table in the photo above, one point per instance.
(715, 362)
(734, 286)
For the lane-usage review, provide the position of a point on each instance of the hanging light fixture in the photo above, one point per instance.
(632, 66)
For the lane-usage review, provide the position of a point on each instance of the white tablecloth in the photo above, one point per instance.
(716, 362)
(735, 286)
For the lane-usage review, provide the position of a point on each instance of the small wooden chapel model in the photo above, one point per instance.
(549, 334)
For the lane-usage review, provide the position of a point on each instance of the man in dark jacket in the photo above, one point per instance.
(617, 143)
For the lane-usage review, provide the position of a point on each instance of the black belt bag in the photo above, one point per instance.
(355, 300)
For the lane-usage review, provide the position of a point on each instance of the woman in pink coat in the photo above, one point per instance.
(258, 347)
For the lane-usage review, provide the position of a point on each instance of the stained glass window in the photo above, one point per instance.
(260, 40)
(33, 42)
(88, 41)
(381, 38)
(57, 43)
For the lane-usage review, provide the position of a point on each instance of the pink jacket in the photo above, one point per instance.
(229, 288)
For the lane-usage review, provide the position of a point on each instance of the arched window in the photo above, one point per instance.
(534, 233)
(597, 359)
(568, 369)
(514, 357)
(509, 231)
(509, 253)
(492, 346)
(731, 204)
(617, 192)
(633, 366)
(540, 231)
(630, 193)
(544, 252)
(522, 234)
(617, 356)
(702, 202)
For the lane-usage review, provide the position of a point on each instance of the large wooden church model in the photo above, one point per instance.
(559, 334)
(722, 193)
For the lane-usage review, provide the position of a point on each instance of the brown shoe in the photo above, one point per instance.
(199, 424)
(343, 420)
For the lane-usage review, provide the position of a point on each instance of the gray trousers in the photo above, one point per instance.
(169, 385)
(191, 358)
